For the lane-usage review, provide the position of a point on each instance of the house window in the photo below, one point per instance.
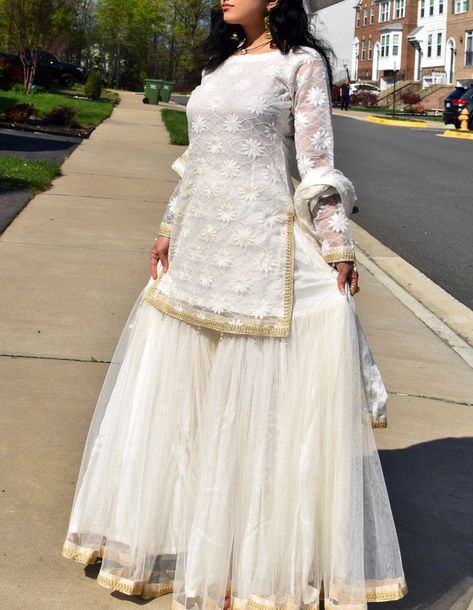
(357, 17)
(383, 11)
(422, 9)
(372, 15)
(370, 48)
(365, 16)
(431, 7)
(395, 44)
(363, 50)
(384, 45)
(469, 48)
(460, 6)
(399, 9)
(439, 44)
(441, 5)
(429, 45)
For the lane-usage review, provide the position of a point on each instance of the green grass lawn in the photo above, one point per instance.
(78, 89)
(370, 109)
(90, 112)
(388, 111)
(36, 176)
(176, 124)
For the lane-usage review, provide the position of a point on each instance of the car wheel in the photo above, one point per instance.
(68, 79)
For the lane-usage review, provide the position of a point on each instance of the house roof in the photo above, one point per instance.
(392, 27)
(415, 31)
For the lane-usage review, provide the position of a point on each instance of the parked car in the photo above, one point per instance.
(454, 103)
(66, 73)
(357, 87)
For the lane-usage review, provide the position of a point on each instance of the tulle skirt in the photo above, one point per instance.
(221, 464)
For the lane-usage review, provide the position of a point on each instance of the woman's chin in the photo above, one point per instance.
(229, 21)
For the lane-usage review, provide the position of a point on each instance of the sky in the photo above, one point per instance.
(336, 25)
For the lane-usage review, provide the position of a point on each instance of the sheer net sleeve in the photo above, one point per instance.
(333, 229)
(165, 227)
(169, 213)
(313, 138)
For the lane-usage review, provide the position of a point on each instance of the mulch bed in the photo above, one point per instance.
(41, 126)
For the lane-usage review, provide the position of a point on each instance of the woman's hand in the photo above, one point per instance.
(159, 251)
(347, 272)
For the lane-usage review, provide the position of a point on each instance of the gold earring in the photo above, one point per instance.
(234, 36)
(267, 33)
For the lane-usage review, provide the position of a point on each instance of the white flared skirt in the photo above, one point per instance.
(222, 464)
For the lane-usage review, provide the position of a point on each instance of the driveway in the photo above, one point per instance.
(32, 146)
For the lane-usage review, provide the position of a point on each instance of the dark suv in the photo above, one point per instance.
(455, 102)
(66, 73)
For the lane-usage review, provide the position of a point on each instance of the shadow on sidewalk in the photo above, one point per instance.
(431, 493)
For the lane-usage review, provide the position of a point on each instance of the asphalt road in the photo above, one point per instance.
(415, 194)
(36, 146)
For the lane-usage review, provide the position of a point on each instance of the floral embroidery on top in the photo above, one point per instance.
(230, 215)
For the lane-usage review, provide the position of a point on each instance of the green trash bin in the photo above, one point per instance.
(152, 89)
(166, 89)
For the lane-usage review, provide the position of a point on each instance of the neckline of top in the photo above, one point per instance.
(247, 56)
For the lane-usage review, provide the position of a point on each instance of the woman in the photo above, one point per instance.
(231, 458)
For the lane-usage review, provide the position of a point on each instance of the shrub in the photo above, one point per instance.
(20, 113)
(18, 88)
(410, 99)
(93, 86)
(419, 108)
(63, 115)
(335, 93)
(9, 74)
(364, 98)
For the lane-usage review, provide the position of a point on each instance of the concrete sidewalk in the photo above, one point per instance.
(73, 263)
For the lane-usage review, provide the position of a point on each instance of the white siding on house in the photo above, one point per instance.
(434, 31)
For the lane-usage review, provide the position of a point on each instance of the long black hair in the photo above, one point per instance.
(289, 27)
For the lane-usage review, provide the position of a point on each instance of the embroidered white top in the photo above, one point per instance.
(254, 123)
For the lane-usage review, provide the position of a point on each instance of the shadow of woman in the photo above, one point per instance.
(430, 488)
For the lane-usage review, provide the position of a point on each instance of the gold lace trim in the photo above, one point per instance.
(382, 590)
(342, 254)
(118, 583)
(387, 595)
(277, 329)
(379, 424)
(165, 229)
(81, 554)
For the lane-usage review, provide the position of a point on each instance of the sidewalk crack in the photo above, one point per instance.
(30, 356)
(427, 397)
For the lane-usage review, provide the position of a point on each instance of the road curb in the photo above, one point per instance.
(449, 319)
(462, 135)
(375, 119)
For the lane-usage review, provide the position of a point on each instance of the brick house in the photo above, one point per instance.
(381, 46)
(459, 48)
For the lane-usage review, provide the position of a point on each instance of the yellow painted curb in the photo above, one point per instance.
(375, 119)
(465, 135)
